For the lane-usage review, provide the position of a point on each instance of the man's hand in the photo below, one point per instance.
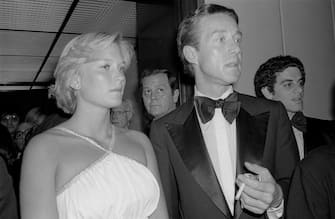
(261, 191)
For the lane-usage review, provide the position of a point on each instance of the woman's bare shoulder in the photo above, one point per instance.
(45, 144)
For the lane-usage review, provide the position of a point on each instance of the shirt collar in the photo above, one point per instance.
(223, 96)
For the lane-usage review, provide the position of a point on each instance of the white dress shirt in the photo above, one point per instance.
(220, 139)
(299, 137)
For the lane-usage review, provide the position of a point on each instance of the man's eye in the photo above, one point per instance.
(301, 83)
(287, 85)
(146, 92)
(238, 39)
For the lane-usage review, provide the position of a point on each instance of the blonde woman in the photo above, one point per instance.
(86, 167)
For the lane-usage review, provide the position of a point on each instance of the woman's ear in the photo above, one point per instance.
(190, 54)
(75, 82)
(267, 94)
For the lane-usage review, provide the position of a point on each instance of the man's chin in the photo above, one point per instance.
(295, 110)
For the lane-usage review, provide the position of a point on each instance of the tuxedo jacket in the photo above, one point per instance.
(312, 191)
(8, 203)
(318, 132)
(264, 136)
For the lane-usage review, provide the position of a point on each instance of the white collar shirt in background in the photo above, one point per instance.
(299, 137)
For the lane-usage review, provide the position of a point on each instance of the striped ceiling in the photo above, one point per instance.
(34, 32)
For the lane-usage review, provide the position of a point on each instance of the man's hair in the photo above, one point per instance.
(77, 52)
(126, 106)
(188, 29)
(151, 72)
(35, 116)
(267, 73)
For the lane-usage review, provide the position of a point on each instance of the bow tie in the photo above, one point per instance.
(299, 121)
(206, 107)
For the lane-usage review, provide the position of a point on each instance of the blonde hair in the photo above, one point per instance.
(76, 53)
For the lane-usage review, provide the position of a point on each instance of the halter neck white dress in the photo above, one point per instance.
(113, 187)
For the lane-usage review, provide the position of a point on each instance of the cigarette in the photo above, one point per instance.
(239, 192)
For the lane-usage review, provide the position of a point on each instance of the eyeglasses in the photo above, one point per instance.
(10, 117)
(118, 113)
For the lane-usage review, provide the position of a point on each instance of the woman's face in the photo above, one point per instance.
(102, 77)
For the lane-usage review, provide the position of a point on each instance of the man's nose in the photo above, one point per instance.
(154, 96)
(10, 122)
(234, 47)
(299, 88)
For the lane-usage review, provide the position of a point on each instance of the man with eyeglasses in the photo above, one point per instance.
(282, 78)
(121, 116)
(10, 121)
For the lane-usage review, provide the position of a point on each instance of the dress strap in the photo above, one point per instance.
(88, 139)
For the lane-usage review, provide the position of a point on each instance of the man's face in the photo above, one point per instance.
(218, 55)
(157, 95)
(119, 116)
(289, 89)
(11, 121)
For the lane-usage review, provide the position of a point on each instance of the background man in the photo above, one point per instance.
(8, 203)
(200, 157)
(11, 121)
(121, 115)
(282, 78)
(160, 93)
(312, 186)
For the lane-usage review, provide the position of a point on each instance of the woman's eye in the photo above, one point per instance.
(106, 67)
(222, 39)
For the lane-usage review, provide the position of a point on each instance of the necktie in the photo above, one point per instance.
(299, 121)
(206, 107)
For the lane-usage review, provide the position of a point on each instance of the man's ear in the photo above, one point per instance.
(190, 54)
(267, 94)
(175, 95)
(75, 82)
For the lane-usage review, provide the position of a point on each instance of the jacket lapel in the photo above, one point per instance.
(251, 136)
(189, 142)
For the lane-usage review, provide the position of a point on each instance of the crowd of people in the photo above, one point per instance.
(221, 154)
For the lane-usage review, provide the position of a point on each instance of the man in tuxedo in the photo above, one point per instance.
(312, 190)
(204, 150)
(282, 78)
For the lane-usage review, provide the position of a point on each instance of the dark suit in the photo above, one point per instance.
(312, 191)
(318, 133)
(8, 207)
(264, 136)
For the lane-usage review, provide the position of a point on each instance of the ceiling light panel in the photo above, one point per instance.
(103, 16)
(33, 15)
